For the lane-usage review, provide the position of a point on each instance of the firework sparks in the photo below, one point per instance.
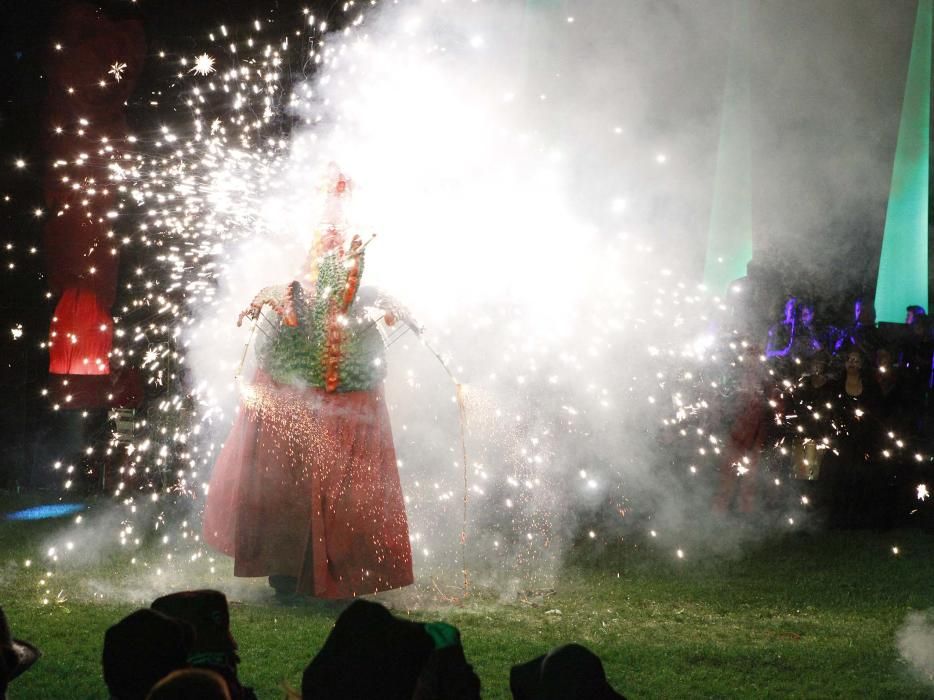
(117, 69)
(188, 198)
(204, 65)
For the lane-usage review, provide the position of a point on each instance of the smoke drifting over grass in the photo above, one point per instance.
(915, 640)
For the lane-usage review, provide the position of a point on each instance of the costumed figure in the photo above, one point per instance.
(306, 489)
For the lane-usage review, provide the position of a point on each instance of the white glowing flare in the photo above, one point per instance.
(204, 65)
(117, 68)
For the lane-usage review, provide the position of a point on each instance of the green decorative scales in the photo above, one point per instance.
(299, 354)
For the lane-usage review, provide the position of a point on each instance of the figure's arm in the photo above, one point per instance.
(392, 309)
(281, 298)
(772, 347)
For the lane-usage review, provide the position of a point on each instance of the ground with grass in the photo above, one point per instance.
(798, 616)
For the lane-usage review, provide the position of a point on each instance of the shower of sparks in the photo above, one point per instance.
(190, 195)
(204, 65)
(117, 69)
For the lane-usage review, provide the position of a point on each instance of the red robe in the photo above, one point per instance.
(307, 486)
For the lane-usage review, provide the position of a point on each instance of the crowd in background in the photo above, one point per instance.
(181, 648)
(840, 409)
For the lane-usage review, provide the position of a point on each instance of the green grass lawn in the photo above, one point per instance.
(800, 616)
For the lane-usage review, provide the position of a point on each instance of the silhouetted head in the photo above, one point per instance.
(807, 314)
(566, 672)
(914, 314)
(141, 649)
(864, 312)
(15, 655)
(854, 362)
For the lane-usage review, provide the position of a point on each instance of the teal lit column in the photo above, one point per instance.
(729, 239)
(903, 264)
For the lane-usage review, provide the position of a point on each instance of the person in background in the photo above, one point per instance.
(811, 426)
(886, 377)
(861, 335)
(915, 314)
(781, 336)
(858, 480)
(808, 338)
(915, 365)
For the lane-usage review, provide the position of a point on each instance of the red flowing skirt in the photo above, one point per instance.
(306, 485)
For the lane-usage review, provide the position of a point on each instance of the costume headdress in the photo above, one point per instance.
(330, 233)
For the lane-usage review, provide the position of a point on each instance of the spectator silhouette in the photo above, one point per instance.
(16, 655)
(141, 649)
(809, 339)
(569, 672)
(915, 369)
(372, 654)
(191, 684)
(781, 336)
(862, 334)
(447, 675)
(914, 314)
(213, 647)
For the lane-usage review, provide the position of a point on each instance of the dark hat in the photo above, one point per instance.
(565, 673)
(207, 612)
(17, 654)
(142, 648)
(369, 654)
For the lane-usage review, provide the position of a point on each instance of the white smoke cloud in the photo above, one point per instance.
(915, 641)
(522, 213)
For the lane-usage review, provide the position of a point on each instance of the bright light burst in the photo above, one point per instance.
(204, 65)
(117, 69)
